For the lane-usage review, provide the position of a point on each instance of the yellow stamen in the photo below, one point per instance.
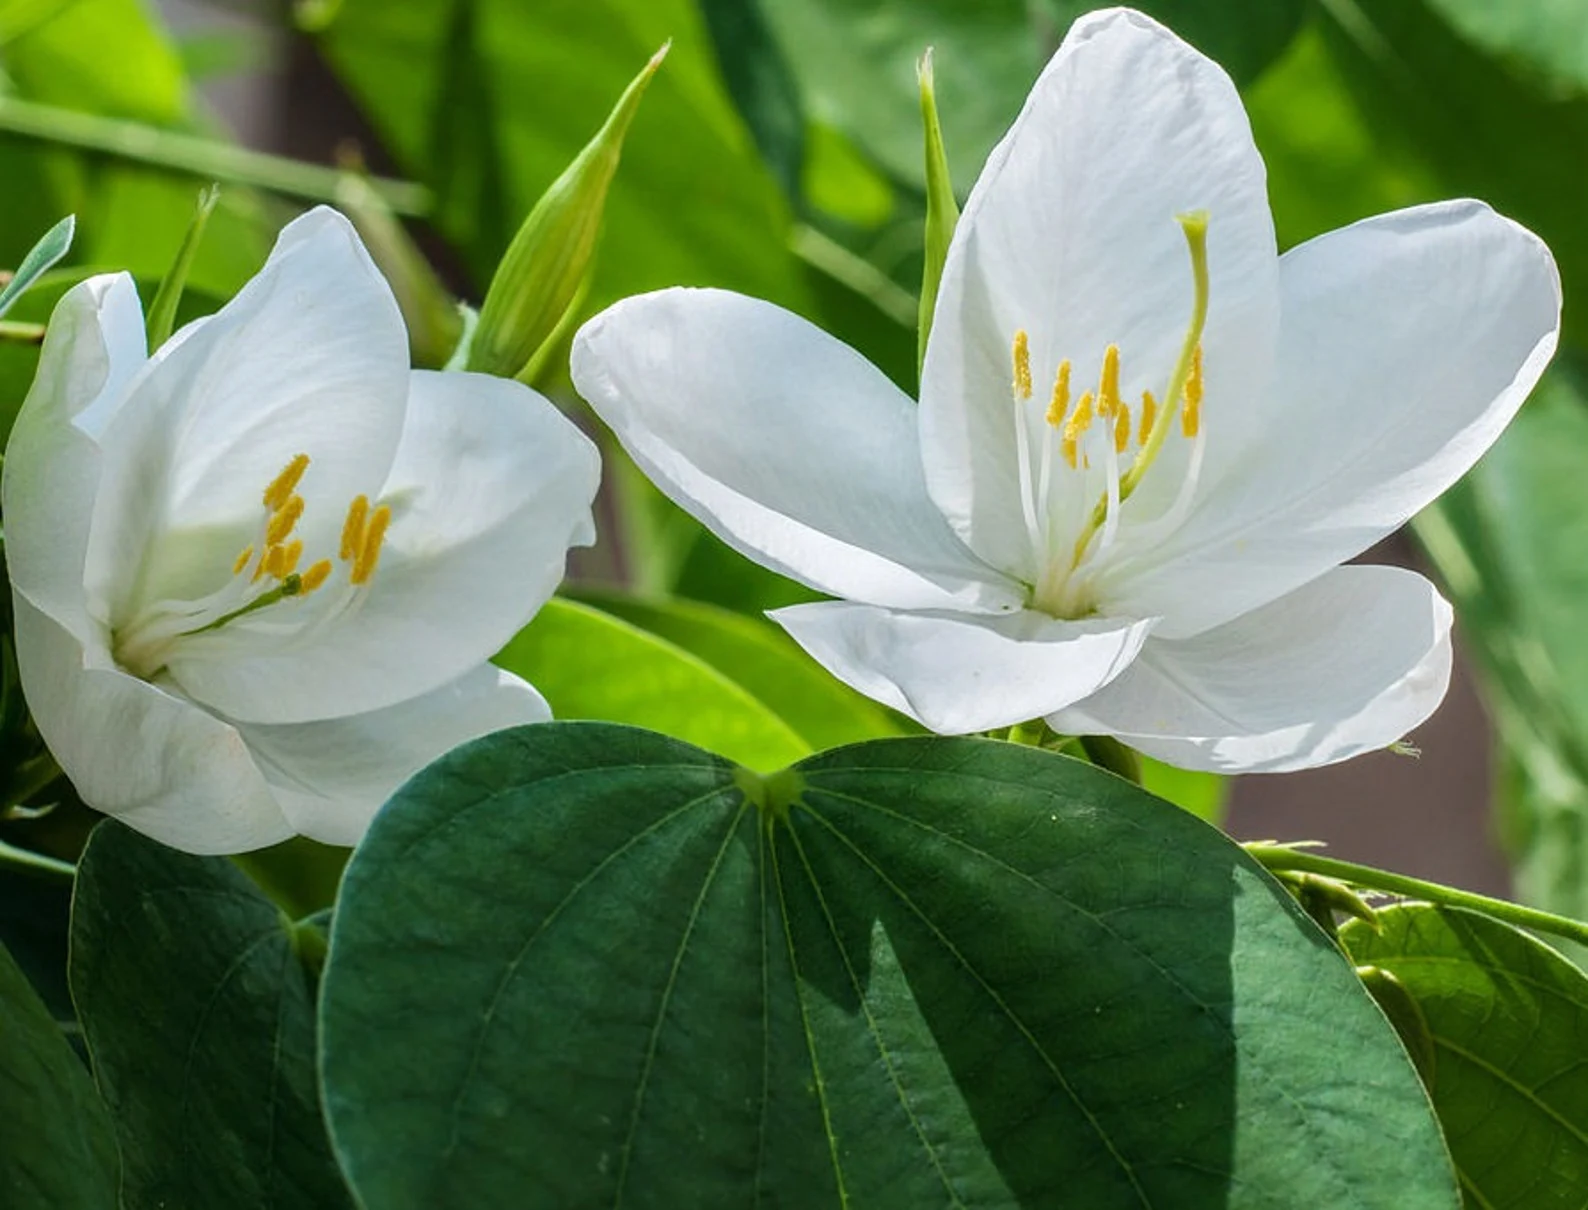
(1075, 428)
(284, 484)
(1108, 400)
(1060, 402)
(316, 575)
(1149, 414)
(290, 556)
(1121, 427)
(353, 528)
(369, 556)
(1022, 356)
(1191, 413)
(242, 561)
(284, 522)
(274, 563)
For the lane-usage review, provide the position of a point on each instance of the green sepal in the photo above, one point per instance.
(162, 311)
(549, 260)
(942, 211)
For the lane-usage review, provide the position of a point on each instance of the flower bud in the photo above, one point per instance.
(942, 211)
(548, 263)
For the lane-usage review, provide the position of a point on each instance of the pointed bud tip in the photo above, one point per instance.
(923, 69)
(661, 53)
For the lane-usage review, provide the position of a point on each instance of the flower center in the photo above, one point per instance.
(264, 574)
(1095, 438)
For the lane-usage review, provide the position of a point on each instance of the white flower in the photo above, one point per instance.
(257, 576)
(1111, 509)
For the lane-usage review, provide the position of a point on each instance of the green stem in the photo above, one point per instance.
(1282, 857)
(1106, 752)
(35, 863)
(23, 333)
(200, 156)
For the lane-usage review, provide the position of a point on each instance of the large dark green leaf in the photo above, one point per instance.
(1508, 1018)
(914, 972)
(56, 1145)
(199, 1014)
(855, 61)
(488, 101)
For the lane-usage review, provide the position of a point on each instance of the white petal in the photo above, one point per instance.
(1070, 234)
(957, 674)
(490, 487)
(1346, 665)
(310, 357)
(1409, 342)
(788, 444)
(332, 776)
(94, 346)
(156, 762)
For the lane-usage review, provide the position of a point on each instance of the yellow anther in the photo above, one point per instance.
(353, 528)
(1022, 357)
(316, 575)
(284, 484)
(290, 555)
(369, 556)
(1060, 402)
(1149, 414)
(1075, 428)
(1121, 427)
(1108, 401)
(274, 563)
(284, 521)
(1191, 413)
(242, 561)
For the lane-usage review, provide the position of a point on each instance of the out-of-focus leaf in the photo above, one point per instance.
(1545, 38)
(462, 89)
(1506, 136)
(1205, 795)
(762, 659)
(855, 62)
(763, 88)
(54, 244)
(590, 665)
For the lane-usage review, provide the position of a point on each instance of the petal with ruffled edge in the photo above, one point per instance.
(1409, 342)
(331, 776)
(92, 349)
(956, 674)
(1346, 665)
(785, 442)
(1071, 235)
(490, 487)
(158, 763)
(310, 357)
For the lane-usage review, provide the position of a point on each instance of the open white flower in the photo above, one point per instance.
(1145, 441)
(257, 576)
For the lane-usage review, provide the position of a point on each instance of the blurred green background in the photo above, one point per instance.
(778, 153)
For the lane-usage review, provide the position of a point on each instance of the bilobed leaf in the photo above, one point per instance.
(762, 659)
(199, 1015)
(592, 665)
(1508, 1017)
(912, 972)
(56, 1145)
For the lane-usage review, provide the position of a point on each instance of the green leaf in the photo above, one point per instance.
(56, 1145)
(914, 972)
(1507, 1016)
(53, 245)
(588, 664)
(855, 62)
(765, 662)
(489, 100)
(199, 1015)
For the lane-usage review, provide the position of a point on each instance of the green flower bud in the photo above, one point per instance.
(942, 211)
(548, 263)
